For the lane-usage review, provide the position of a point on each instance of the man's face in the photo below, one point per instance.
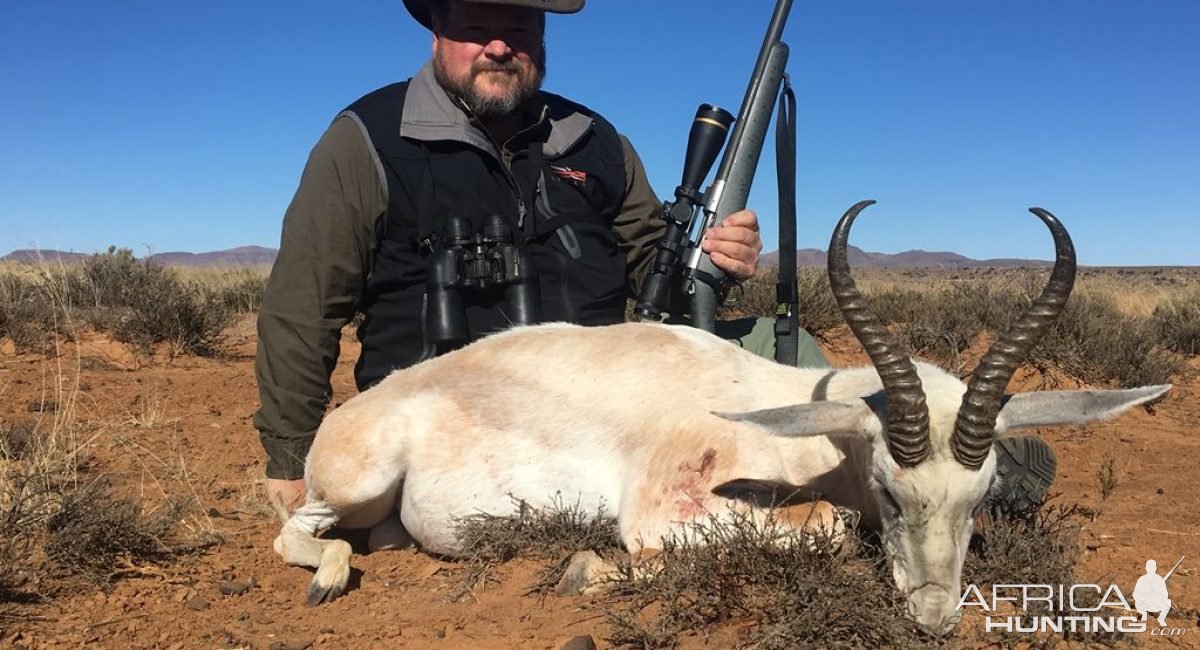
(492, 56)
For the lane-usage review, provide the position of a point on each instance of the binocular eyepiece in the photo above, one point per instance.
(466, 261)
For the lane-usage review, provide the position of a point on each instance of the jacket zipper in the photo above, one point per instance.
(512, 185)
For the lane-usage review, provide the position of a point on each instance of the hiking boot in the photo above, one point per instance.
(1025, 466)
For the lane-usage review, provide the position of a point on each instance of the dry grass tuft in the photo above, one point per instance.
(777, 595)
(1038, 546)
(60, 524)
(736, 578)
(1176, 323)
(96, 535)
(551, 534)
(1106, 477)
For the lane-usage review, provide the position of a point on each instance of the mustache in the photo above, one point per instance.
(493, 66)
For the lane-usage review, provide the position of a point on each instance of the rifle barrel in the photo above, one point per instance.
(1173, 569)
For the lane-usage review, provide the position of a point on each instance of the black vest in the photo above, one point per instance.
(569, 201)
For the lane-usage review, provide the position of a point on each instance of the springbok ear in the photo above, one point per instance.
(816, 419)
(1060, 407)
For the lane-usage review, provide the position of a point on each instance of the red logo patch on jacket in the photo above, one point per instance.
(573, 176)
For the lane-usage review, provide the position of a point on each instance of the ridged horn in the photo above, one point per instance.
(908, 416)
(975, 427)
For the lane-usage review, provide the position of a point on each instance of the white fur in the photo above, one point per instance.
(624, 418)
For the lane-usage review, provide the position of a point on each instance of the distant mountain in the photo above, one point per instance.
(240, 256)
(906, 260)
(260, 256)
(28, 256)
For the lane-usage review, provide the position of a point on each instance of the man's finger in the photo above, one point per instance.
(736, 268)
(739, 234)
(745, 218)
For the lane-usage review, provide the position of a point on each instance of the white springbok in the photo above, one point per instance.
(661, 426)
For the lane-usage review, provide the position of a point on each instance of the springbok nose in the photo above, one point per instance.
(933, 607)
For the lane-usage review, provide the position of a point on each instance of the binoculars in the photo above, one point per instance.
(477, 264)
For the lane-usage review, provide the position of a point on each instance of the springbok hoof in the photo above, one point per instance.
(319, 595)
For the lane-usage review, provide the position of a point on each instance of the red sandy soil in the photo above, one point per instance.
(183, 426)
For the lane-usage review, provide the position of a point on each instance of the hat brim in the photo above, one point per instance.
(420, 8)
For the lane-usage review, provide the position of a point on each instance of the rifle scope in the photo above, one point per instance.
(709, 129)
(705, 140)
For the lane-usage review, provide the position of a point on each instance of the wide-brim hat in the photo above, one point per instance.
(420, 8)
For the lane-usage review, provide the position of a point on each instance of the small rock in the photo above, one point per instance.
(1160, 491)
(584, 572)
(232, 588)
(295, 644)
(196, 603)
(584, 642)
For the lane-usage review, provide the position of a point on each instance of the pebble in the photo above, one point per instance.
(584, 642)
(196, 603)
(233, 588)
(296, 644)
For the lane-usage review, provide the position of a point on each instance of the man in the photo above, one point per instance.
(470, 136)
(1150, 594)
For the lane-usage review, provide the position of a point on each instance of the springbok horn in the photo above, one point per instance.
(908, 415)
(976, 424)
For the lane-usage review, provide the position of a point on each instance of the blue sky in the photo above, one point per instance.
(184, 125)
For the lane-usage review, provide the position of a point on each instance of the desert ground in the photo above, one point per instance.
(161, 427)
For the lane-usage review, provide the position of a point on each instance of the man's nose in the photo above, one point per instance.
(498, 48)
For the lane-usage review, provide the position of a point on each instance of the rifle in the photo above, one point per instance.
(1173, 569)
(693, 212)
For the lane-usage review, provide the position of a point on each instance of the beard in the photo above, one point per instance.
(522, 84)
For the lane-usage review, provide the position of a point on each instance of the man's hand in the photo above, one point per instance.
(734, 245)
(285, 496)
